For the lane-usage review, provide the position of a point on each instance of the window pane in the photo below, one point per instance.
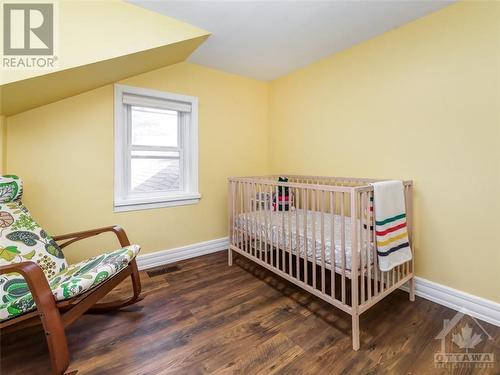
(151, 175)
(155, 154)
(154, 127)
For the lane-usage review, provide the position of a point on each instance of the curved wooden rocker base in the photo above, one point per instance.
(136, 297)
(56, 316)
(115, 305)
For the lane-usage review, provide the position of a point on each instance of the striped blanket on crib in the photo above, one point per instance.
(393, 247)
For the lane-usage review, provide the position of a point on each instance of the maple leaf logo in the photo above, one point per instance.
(466, 340)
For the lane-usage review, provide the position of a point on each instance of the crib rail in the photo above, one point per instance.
(319, 180)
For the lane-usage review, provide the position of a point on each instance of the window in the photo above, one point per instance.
(156, 149)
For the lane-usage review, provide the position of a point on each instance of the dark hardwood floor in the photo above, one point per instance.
(201, 316)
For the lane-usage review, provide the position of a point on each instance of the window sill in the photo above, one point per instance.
(181, 200)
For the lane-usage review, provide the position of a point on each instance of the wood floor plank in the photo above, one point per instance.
(200, 316)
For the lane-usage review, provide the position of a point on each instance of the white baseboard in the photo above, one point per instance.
(162, 257)
(477, 307)
(480, 308)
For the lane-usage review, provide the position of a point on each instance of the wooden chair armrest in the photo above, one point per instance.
(47, 310)
(37, 283)
(33, 274)
(77, 236)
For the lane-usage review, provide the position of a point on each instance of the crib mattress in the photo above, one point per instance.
(258, 224)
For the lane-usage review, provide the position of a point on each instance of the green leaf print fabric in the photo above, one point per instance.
(22, 239)
(70, 282)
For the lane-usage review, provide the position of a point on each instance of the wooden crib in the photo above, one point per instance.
(303, 230)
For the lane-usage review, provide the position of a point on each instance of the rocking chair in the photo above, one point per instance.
(37, 281)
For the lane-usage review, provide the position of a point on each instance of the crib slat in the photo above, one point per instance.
(266, 223)
(263, 231)
(385, 284)
(314, 211)
(279, 240)
(332, 244)
(342, 242)
(239, 237)
(254, 218)
(242, 203)
(275, 225)
(290, 235)
(322, 193)
(368, 246)
(233, 212)
(409, 200)
(249, 221)
(254, 198)
(275, 233)
(262, 214)
(247, 215)
(305, 203)
(243, 212)
(283, 231)
(269, 228)
(405, 268)
(297, 235)
(374, 250)
(362, 242)
(250, 218)
(275, 230)
(355, 252)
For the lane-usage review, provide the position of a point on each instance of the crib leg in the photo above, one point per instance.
(355, 331)
(411, 284)
(229, 257)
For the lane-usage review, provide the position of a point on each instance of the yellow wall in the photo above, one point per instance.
(64, 152)
(420, 102)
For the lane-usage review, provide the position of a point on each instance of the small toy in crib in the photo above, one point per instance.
(284, 200)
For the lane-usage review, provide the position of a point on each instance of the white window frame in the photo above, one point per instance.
(188, 159)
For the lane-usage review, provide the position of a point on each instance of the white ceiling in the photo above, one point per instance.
(268, 39)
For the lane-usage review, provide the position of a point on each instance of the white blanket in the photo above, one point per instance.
(393, 246)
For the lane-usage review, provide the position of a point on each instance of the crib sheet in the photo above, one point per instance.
(272, 223)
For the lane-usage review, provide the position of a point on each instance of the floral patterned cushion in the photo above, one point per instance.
(11, 188)
(22, 239)
(69, 282)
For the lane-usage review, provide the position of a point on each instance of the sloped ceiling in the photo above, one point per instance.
(99, 43)
(268, 39)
